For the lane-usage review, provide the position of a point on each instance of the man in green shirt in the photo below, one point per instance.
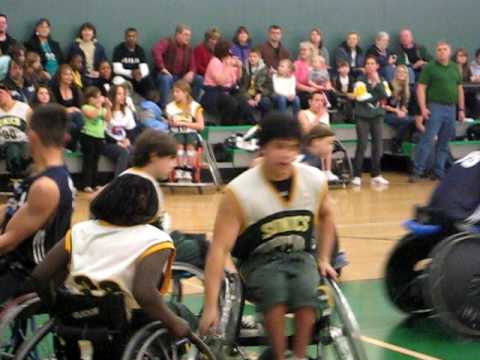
(439, 91)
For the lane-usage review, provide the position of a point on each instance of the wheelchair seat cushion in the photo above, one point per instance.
(281, 278)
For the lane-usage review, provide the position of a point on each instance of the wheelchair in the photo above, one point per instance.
(81, 325)
(204, 160)
(433, 272)
(336, 330)
(341, 164)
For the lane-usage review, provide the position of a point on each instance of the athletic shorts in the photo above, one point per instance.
(281, 278)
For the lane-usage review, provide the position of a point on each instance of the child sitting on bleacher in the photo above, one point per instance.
(186, 118)
(317, 114)
(343, 88)
(150, 115)
(284, 87)
(117, 247)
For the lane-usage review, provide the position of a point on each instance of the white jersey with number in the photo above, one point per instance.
(105, 256)
(269, 218)
(13, 123)
(187, 114)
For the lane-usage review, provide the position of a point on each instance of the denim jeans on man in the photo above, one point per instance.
(440, 125)
(165, 83)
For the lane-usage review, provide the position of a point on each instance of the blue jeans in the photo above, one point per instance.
(165, 83)
(440, 124)
(281, 103)
(403, 126)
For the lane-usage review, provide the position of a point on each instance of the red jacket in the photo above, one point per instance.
(202, 55)
(178, 60)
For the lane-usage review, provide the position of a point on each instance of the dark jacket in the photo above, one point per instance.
(24, 94)
(35, 45)
(344, 53)
(98, 57)
(371, 108)
(422, 53)
(272, 56)
(338, 86)
(382, 58)
(263, 80)
(5, 45)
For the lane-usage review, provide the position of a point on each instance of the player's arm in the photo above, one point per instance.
(227, 228)
(148, 276)
(51, 273)
(326, 237)
(42, 202)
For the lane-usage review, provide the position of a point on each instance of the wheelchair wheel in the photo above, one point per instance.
(19, 319)
(453, 284)
(403, 276)
(153, 342)
(341, 163)
(340, 335)
(39, 346)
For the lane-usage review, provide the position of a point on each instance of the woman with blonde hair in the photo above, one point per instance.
(396, 108)
(302, 71)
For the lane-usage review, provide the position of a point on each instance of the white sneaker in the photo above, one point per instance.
(357, 181)
(331, 176)
(88, 189)
(187, 176)
(379, 180)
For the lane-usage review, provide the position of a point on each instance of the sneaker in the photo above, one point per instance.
(379, 180)
(331, 176)
(187, 176)
(178, 175)
(250, 327)
(88, 189)
(357, 181)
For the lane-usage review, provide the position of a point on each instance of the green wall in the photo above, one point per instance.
(455, 21)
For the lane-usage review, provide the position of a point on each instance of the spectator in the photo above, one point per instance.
(92, 52)
(33, 71)
(241, 45)
(185, 116)
(284, 87)
(68, 94)
(130, 62)
(203, 52)
(20, 88)
(319, 78)
(17, 52)
(461, 59)
(370, 92)
(221, 91)
(150, 115)
(119, 130)
(14, 116)
(318, 42)
(409, 53)
(43, 95)
(475, 67)
(105, 77)
(439, 90)
(317, 114)
(256, 83)
(76, 64)
(273, 50)
(48, 49)
(343, 88)
(6, 41)
(97, 112)
(302, 71)
(174, 60)
(351, 52)
(397, 115)
(386, 58)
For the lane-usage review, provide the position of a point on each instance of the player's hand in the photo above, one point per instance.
(326, 269)
(208, 321)
(180, 328)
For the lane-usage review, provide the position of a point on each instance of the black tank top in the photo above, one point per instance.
(33, 250)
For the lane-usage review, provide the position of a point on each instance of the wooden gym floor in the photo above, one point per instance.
(369, 222)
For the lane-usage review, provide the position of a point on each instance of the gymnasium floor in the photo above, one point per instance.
(369, 224)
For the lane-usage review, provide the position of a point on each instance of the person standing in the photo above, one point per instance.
(439, 91)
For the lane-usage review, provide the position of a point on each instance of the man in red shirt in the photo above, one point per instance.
(174, 60)
(204, 52)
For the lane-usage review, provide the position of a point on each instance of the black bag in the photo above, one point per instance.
(473, 132)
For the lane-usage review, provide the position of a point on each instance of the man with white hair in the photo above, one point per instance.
(439, 92)
(412, 54)
(386, 58)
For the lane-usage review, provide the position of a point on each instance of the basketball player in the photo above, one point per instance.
(38, 215)
(267, 219)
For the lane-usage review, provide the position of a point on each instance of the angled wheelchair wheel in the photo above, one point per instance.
(19, 319)
(453, 284)
(39, 346)
(404, 272)
(339, 334)
(153, 342)
(341, 163)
